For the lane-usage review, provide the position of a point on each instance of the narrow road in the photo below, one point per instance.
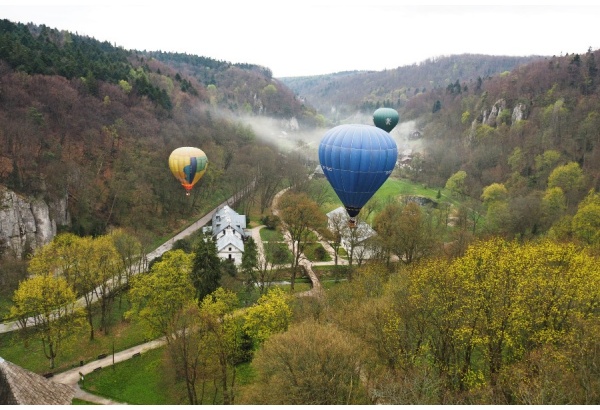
(73, 376)
(168, 245)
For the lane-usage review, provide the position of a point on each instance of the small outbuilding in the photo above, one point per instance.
(352, 240)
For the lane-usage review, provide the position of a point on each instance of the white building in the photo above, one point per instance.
(229, 231)
(352, 240)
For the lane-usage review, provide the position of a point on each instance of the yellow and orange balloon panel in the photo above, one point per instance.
(188, 165)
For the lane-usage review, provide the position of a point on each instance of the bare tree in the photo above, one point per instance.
(301, 215)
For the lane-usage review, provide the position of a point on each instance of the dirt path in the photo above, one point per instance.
(74, 376)
(317, 289)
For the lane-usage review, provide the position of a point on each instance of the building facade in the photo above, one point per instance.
(229, 233)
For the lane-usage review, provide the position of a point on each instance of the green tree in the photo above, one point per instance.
(406, 231)
(271, 314)
(131, 257)
(157, 298)
(554, 205)
(268, 174)
(48, 302)
(545, 163)
(187, 352)
(586, 222)
(86, 278)
(206, 268)
(107, 276)
(569, 178)
(416, 237)
(250, 262)
(456, 184)
(270, 266)
(495, 200)
(222, 330)
(387, 226)
(59, 257)
(482, 313)
(310, 364)
(516, 160)
(75, 259)
(494, 192)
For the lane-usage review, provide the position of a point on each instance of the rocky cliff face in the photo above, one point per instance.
(490, 117)
(28, 223)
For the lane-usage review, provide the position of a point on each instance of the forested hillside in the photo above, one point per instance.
(339, 95)
(486, 294)
(524, 145)
(84, 119)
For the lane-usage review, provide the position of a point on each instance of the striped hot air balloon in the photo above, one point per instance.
(188, 164)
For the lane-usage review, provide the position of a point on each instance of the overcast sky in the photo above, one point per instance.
(310, 37)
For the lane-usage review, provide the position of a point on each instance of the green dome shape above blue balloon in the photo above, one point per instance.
(385, 118)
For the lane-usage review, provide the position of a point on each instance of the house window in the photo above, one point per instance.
(229, 251)
(230, 258)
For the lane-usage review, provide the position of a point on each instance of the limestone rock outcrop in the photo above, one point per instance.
(27, 223)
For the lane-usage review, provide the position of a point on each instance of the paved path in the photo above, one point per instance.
(72, 377)
(317, 289)
(260, 247)
(168, 245)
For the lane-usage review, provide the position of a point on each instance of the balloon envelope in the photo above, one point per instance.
(356, 160)
(188, 164)
(385, 118)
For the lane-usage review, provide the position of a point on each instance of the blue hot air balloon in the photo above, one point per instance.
(356, 160)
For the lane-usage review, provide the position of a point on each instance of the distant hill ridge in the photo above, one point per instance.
(368, 90)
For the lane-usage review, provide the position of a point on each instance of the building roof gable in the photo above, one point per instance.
(227, 217)
(230, 239)
(20, 386)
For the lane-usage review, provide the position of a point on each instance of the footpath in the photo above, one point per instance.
(73, 376)
(168, 245)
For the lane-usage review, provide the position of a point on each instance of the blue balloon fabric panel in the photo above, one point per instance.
(356, 160)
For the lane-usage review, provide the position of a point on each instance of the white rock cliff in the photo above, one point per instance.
(27, 223)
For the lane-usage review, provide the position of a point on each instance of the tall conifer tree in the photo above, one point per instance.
(206, 270)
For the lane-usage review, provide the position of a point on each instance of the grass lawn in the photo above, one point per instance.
(143, 380)
(135, 381)
(5, 304)
(315, 252)
(393, 188)
(279, 252)
(271, 235)
(31, 356)
(82, 402)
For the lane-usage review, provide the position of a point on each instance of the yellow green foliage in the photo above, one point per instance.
(486, 310)
(158, 297)
(271, 314)
(586, 222)
(49, 302)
